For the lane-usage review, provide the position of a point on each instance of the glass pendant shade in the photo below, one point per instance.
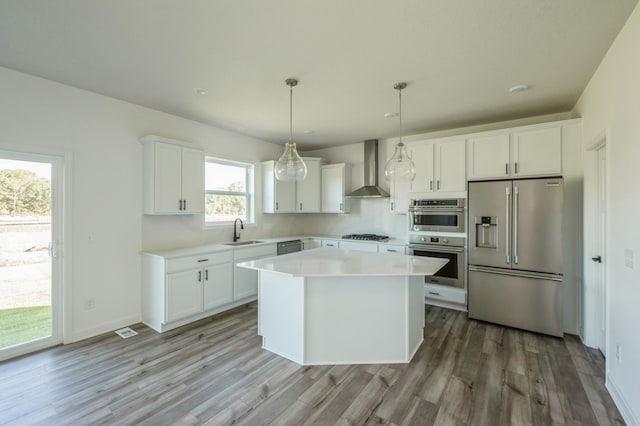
(400, 165)
(290, 166)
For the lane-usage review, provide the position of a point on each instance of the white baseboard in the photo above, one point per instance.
(104, 328)
(630, 417)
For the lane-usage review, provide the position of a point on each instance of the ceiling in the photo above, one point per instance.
(459, 58)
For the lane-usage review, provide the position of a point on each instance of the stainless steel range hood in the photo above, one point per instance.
(370, 188)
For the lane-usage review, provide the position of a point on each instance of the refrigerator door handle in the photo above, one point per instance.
(515, 225)
(512, 273)
(506, 231)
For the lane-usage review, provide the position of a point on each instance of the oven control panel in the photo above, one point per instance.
(437, 240)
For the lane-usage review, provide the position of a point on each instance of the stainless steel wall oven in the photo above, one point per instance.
(450, 248)
(440, 215)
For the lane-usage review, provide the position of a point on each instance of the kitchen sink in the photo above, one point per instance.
(243, 243)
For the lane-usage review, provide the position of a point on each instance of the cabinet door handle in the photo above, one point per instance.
(180, 205)
(438, 184)
(184, 205)
(203, 260)
(340, 206)
(393, 206)
(434, 293)
(506, 169)
(431, 185)
(199, 276)
(206, 275)
(515, 165)
(300, 206)
(277, 206)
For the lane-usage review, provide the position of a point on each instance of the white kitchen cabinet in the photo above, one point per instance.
(180, 288)
(184, 294)
(440, 166)
(292, 196)
(336, 183)
(536, 152)
(278, 196)
(359, 246)
(218, 285)
(391, 248)
(311, 243)
(173, 177)
(330, 243)
(488, 156)
(245, 281)
(519, 152)
(448, 297)
(309, 190)
(399, 196)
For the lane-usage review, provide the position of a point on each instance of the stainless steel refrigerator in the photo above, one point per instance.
(515, 253)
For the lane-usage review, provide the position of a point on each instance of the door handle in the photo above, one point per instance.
(506, 232)
(206, 275)
(515, 224)
(597, 259)
(199, 276)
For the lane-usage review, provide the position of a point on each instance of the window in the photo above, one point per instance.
(228, 191)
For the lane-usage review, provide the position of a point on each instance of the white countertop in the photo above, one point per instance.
(219, 247)
(325, 262)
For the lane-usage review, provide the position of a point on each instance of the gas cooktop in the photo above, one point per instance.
(366, 237)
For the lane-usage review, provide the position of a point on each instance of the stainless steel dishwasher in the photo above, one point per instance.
(292, 246)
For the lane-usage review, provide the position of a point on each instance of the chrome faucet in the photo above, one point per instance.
(236, 235)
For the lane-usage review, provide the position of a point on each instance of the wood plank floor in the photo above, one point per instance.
(215, 372)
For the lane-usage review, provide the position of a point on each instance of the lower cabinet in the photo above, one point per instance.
(245, 281)
(178, 289)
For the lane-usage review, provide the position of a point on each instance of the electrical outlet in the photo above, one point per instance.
(629, 258)
(618, 352)
(90, 304)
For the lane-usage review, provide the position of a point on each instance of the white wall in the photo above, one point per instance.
(610, 105)
(102, 135)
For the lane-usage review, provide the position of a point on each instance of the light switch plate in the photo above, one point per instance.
(629, 258)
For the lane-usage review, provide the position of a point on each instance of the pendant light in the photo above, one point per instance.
(400, 165)
(290, 166)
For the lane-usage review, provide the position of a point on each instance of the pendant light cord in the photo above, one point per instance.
(400, 120)
(290, 113)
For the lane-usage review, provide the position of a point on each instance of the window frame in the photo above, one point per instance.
(249, 193)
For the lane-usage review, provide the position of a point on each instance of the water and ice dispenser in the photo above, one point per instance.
(486, 232)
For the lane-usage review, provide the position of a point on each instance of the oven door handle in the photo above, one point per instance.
(419, 210)
(438, 248)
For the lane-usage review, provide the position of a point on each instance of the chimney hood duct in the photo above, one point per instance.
(370, 188)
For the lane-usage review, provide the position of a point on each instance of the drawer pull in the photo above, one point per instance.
(203, 260)
(434, 293)
(392, 250)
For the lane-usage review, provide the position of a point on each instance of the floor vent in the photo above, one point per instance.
(126, 332)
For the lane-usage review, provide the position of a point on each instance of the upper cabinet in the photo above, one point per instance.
(278, 196)
(440, 166)
(292, 196)
(336, 183)
(519, 152)
(308, 191)
(173, 177)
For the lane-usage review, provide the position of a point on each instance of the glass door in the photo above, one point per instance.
(29, 253)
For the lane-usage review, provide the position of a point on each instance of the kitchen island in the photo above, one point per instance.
(334, 306)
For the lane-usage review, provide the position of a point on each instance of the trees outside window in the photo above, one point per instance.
(229, 188)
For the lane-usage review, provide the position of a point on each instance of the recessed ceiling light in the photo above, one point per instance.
(200, 90)
(308, 132)
(390, 114)
(519, 88)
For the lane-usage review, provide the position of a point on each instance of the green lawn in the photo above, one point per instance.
(20, 325)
